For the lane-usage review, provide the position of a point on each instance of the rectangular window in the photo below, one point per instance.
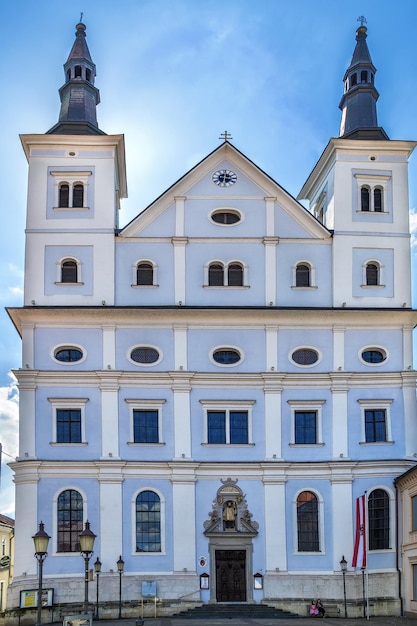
(145, 426)
(414, 513)
(216, 426)
(414, 582)
(145, 421)
(305, 427)
(228, 422)
(238, 427)
(68, 426)
(227, 426)
(375, 425)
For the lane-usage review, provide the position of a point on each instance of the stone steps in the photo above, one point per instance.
(232, 610)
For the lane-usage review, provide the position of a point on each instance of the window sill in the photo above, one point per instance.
(72, 284)
(304, 287)
(306, 445)
(59, 444)
(226, 287)
(70, 208)
(309, 553)
(144, 286)
(372, 212)
(373, 286)
(228, 445)
(151, 445)
(376, 443)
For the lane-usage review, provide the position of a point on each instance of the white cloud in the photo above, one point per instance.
(413, 228)
(9, 418)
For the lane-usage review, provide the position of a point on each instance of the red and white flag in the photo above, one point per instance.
(359, 552)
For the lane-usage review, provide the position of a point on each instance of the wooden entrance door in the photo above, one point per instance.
(230, 575)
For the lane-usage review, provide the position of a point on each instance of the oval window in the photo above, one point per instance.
(305, 356)
(144, 355)
(226, 217)
(226, 356)
(68, 355)
(373, 355)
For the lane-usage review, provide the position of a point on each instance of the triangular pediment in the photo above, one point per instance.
(203, 189)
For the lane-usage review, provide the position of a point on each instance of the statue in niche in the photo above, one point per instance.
(229, 515)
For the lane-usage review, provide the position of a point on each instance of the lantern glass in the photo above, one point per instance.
(87, 538)
(120, 564)
(41, 540)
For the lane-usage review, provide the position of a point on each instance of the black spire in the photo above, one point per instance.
(78, 95)
(358, 104)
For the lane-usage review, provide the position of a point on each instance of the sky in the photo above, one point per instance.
(173, 75)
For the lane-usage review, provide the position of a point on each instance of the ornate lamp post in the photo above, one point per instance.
(343, 567)
(87, 538)
(120, 567)
(97, 569)
(40, 540)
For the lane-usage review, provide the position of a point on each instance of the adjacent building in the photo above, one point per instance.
(213, 385)
(6, 557)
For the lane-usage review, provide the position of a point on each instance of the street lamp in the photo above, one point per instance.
(343, 567)
(40, 540)
(120, 567)
(97, 569)
(87, 538)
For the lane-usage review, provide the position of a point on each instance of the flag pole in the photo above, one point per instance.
(366, 561)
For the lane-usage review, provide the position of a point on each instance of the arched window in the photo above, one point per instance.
(235, 275)
(379, 520)
(302, 275)
(365, 199)
(77, 72)
(68, 75)
(69, 272)
(364, 76)
(378, 208)
(148, 522)
(216, 275)
(78, 195)
(69, 520)
(308, 522)
(353, 80)
(144, 274)
(372, 274)
(88, 74)
(63, 200)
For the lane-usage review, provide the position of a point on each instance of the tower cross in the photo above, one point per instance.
(362, 20)
(225, 136)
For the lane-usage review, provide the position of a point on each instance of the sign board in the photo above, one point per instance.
(29, 598)
(148, 588)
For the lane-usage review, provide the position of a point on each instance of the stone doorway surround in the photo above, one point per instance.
(230, 529)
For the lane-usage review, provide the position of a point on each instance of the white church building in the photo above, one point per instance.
(213, 385)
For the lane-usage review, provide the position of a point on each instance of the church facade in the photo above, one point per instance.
(214, 385)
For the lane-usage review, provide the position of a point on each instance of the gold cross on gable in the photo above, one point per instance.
(225, 136)
(362, 20)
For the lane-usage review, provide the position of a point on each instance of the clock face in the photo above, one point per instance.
(224, 178)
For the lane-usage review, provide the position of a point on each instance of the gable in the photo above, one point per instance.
(204, 190)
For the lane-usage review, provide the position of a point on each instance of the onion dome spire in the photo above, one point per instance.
(358, 103)
(78, 95)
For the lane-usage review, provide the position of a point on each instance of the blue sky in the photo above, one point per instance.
(173, 75)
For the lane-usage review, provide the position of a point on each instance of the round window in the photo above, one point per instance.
(305, 356)
(226, 356)
(145, 355)
(373, 355)
(226, 217)
(68, 355)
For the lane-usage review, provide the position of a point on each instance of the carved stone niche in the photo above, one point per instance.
(230, 512)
